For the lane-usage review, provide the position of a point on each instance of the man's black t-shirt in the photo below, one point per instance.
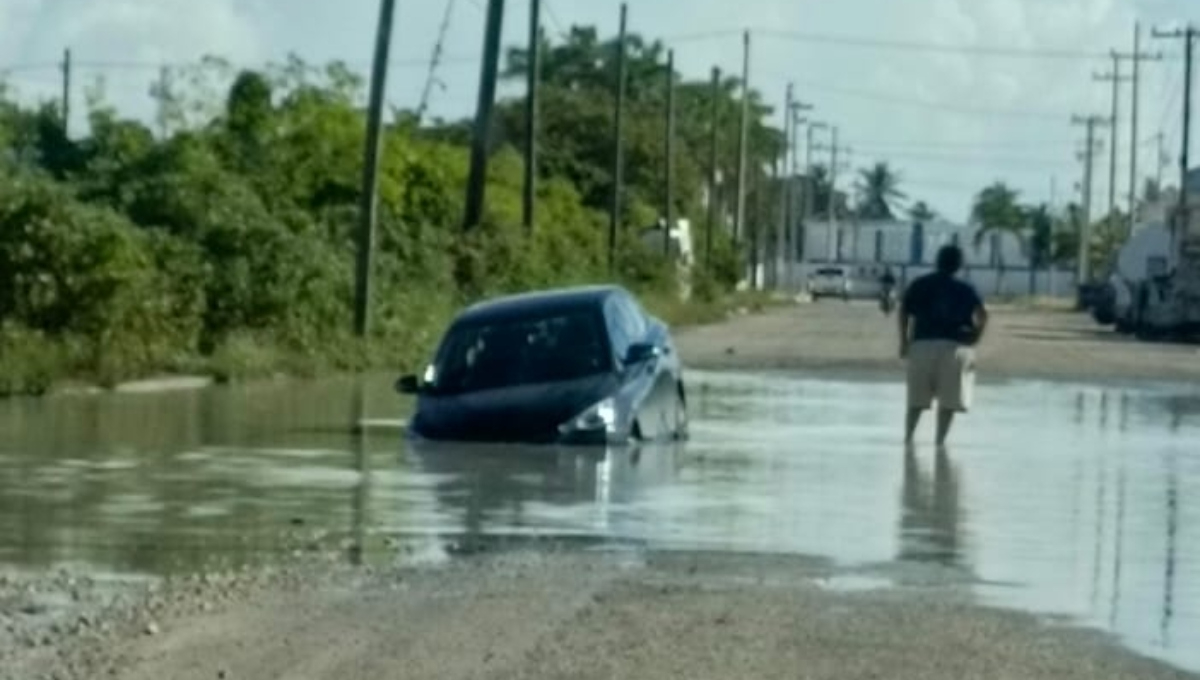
(942, 308)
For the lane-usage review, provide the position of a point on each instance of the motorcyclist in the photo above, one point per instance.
(887, 290)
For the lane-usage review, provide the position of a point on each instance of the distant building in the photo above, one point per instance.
(909, 243)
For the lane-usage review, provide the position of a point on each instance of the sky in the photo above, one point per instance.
(949, 120)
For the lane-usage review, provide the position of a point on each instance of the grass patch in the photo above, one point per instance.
(33, 364)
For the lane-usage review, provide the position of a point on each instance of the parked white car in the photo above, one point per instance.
(832, 281)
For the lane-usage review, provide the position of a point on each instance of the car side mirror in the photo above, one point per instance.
(641, 351)
(408, 384)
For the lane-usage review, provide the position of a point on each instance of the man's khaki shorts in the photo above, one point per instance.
(941, 371)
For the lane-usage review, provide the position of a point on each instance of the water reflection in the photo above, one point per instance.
(1056, 498)
(930, 520)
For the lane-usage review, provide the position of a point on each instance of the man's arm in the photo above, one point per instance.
(979, 316)
(904, 318)
(981, 321)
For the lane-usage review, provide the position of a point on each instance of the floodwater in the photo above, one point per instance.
(1066, 500)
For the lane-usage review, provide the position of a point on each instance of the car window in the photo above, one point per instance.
(525, 351)
(625, 325)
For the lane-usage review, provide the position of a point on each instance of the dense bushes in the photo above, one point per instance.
(228, 245)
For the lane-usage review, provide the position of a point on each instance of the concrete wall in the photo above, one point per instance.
(990, 282)
(903, 242)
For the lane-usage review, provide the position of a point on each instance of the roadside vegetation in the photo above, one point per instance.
(219, 238)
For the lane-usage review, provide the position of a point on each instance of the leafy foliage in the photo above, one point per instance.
(222, 232)
(878, 189)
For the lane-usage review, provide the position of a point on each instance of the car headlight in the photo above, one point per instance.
(599, 416)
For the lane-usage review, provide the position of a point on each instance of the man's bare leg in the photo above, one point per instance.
(910, 424)
(945, 418)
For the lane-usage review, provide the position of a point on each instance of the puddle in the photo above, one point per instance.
(1065, 500)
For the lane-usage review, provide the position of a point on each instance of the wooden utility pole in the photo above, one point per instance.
(669, 161)
(714, 131)
(477, 179)
(782, 235)
(66, 93)
(739, 215)
(1085, 231)
(614, 216)
(1116, 79)
(368, 211)
(431, 78)
(1188, 35)
(164, 96)
(532, 76)
(834, 255)
(796, 227)
(1137, 57)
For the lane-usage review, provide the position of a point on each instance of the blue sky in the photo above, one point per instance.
(949, 121)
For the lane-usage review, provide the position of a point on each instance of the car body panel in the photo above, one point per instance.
(830, 282)
(646, 396)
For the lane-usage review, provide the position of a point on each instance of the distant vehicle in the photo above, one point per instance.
(833, 281)
(582, 365)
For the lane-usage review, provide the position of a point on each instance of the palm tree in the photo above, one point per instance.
(921, 212)
(996, 212)
(1041, 240)
(878, 189)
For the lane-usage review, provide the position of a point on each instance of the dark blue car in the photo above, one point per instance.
(580, 365)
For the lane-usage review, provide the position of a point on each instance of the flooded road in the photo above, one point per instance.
(1066, 500)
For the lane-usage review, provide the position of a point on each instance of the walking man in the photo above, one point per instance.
(941, 320)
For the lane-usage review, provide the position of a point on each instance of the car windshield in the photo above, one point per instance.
(521, 351)
(829, 272)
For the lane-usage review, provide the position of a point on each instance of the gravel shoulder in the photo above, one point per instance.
(1021, 343)
(549, 614)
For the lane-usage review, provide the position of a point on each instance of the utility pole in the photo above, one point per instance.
(477, 179)
(712, 165)
(1116, 79)
(619, 151)
(1085, 230)
(739, 215)
(368, 211)
(669, 169)
(811, 205)
(66, 93)
(164, 97)
(774, 250)
(431, 79)
(783, 232)
(1137, 57)
(1188, 35)
(796, 225)
(533, 75)
(1160, 141)
(832, 207)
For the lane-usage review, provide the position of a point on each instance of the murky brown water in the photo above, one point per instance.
(1055, 498)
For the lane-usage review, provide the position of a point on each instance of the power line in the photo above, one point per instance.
(931, 47)
(1038, 162)
(553, 16)
(943, 144)
(128, 65)
(944, 107)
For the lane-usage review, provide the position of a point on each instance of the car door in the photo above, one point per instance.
(653, 383)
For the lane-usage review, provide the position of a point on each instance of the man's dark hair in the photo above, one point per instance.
(949, 259)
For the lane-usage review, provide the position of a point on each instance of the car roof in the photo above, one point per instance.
(540, 302)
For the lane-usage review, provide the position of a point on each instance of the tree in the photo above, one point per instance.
(996, 213)
(877, 191)
(1041, 235)
(921, 212)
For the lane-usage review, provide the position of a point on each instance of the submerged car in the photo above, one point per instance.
(585, 365)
